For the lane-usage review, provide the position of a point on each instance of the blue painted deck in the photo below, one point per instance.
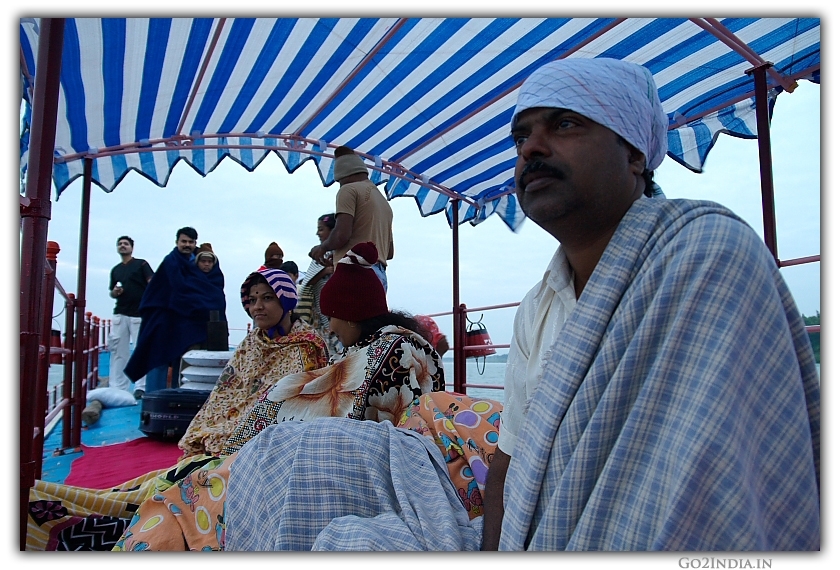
(116, 425)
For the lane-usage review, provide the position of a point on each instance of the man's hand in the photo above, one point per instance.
(317, 253)
(494, 506)
(116, 292)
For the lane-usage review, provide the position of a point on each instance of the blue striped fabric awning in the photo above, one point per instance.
(426, 101)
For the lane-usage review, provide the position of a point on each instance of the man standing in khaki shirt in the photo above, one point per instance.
(361, 214)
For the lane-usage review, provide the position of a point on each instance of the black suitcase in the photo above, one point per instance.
(167, 413)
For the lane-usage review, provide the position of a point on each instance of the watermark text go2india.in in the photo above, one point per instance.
(713, 562)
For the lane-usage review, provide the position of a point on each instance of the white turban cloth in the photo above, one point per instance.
(617, 94)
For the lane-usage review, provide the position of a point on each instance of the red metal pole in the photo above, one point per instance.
(765, 160)
(35, 217)
(82, 381)
(799, 261)
(69, 360)
(95, 352)
(460, 362)
(81, 354)
(44, 362)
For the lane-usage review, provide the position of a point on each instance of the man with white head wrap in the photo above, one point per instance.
(571, 99)
(661, 392)
(608, 95)
(619, 95)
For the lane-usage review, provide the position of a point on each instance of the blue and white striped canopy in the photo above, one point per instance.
(426, 101)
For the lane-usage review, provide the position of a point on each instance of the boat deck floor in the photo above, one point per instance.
(115, 425)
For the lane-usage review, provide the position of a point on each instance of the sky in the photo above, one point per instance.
(241, 212)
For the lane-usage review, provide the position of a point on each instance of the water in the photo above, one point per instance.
(494, 375)
(55, 376)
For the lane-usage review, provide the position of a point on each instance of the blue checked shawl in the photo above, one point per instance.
(342, 484)
(680, 407)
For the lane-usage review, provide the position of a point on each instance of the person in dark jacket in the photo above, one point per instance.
(175, 309)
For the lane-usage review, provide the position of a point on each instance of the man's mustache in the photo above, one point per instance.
(538, 166)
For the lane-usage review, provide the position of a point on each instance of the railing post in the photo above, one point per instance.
(461, 358)
(95, 353)
(69, 361)
(84, 381)
(41, 390)
(106, 332)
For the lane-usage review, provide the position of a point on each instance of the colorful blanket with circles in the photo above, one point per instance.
(64, 517)
(465, 431)
(188, 515)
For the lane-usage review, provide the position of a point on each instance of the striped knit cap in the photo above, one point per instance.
(354, 292)
(617, 94)
(279, 281)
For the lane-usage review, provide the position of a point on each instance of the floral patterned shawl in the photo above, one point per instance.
(376, 379)
(258, 363)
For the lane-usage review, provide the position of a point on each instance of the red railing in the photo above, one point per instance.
(799, 261)
(73, 390)
(461, 350)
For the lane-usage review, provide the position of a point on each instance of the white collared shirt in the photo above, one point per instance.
(538, 322)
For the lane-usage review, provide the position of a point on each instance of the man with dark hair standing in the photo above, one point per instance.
(175, 309)
(128, 282)
(362, 214)
(185, 242)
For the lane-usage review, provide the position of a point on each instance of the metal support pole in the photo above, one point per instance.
(460, 362)
(78, 402)
(35, 215)
(765, 160)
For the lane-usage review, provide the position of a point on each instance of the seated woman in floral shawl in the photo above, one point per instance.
(280, 344)
(387, 364)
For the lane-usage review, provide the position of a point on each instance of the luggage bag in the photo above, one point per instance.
(167, 413)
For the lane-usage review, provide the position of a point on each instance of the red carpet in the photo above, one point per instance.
(103, 467)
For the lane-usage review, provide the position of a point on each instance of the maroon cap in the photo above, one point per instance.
(354, 292)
